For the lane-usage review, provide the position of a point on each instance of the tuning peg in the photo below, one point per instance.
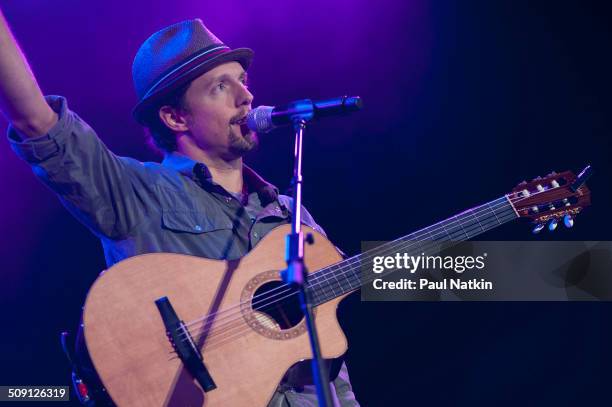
(538, 228)
(552, 225)
(581, 178)
(568, 221)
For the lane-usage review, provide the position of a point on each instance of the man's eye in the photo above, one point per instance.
(221, 85)
(245, 82)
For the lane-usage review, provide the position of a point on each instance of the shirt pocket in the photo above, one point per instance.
(193, 222)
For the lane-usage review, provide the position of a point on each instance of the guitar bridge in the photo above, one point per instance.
(183, 343)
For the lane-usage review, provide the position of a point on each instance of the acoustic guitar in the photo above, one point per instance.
(176, 330)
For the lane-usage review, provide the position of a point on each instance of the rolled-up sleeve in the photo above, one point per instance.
(104, 191)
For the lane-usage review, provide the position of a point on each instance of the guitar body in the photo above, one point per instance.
(245, 354)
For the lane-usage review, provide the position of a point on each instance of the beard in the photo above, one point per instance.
(242, 141)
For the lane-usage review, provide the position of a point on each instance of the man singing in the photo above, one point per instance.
(201, 200)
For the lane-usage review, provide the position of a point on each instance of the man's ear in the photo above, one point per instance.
(173, 118)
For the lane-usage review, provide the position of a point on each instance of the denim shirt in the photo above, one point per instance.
(137, 208)
(175, 206)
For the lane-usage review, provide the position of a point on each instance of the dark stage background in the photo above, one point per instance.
(463, 100)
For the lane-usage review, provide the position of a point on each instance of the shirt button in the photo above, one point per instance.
(197, 228)
(228, 199)
(255, 234)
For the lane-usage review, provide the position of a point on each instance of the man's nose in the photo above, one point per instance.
(245, 97)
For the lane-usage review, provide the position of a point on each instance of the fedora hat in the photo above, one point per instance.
(174, 56)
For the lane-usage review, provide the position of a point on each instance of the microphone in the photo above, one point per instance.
(262, 119)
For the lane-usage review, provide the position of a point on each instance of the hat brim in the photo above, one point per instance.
(144, 111)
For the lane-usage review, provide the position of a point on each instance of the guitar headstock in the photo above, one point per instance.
(552, 198)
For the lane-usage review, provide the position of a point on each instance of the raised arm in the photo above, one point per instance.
(105, 192)
(21, 100)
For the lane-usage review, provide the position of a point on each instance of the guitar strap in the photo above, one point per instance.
(87, 385)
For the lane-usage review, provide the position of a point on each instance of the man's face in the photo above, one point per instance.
(217, 103)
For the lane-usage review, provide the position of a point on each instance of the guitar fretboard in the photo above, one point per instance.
(350, 274)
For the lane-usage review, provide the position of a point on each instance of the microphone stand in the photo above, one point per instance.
(296, 274)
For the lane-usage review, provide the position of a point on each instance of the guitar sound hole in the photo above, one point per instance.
(277, 306)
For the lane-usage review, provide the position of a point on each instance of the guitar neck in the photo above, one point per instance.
(349, 275)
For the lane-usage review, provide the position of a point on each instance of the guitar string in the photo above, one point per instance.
(320, 273)
(220, 337)
(313, 277)
(321, 277)
(352, 261)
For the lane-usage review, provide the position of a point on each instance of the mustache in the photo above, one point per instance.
(240, 116)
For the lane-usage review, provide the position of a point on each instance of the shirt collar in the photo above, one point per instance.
(200, 173)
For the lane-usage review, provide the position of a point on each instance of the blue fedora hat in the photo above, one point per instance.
(174, 56)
